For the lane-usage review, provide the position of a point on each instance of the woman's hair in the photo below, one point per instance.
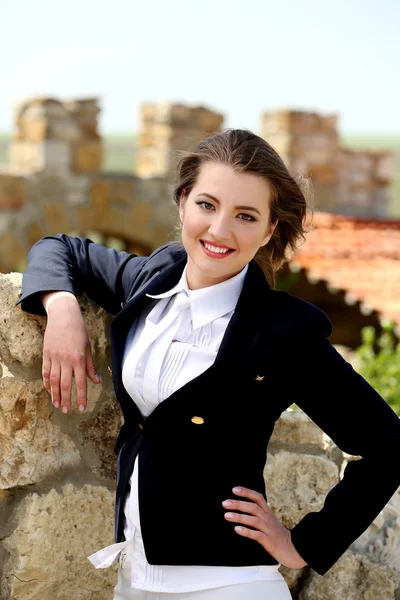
(246, 152)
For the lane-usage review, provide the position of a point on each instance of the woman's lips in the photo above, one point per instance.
(216, 254)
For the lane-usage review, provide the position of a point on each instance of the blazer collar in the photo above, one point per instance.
(253, 309)
(250, 307)
(209, 303)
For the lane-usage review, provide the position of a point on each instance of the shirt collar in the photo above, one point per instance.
(209, 303)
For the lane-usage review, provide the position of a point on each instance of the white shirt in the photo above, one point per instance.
(193, 323)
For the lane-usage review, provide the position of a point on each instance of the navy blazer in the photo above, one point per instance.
(186, 469)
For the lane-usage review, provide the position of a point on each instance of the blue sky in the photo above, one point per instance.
(239, 58)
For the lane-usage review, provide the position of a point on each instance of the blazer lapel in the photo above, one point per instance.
(244, 327)
(235, 354)
(241, 335)
(159, 282)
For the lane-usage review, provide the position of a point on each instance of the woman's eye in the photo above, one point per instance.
(205, 205)
(246, 217)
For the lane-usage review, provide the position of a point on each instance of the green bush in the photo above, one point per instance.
(381, 369)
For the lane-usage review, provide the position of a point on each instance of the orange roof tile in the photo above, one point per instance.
(358, 255)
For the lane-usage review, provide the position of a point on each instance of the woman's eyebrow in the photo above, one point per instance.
(238, 207)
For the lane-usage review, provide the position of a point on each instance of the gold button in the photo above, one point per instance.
(141, 426)
(109, 371)
(197, 420)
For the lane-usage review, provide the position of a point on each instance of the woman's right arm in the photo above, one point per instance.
(76, 265)
(59, 268)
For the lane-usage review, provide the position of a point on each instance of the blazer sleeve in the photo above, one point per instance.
(360, 422)
(77, 264)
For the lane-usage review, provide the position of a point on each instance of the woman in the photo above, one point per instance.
(201, 330)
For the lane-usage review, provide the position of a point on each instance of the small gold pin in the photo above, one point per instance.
(197, 420)
(260, 377)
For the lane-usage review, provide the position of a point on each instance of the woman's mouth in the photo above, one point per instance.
(216, 251)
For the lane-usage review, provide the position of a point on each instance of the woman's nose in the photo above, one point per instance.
(219, 228)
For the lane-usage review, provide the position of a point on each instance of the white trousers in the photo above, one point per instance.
(274, 589)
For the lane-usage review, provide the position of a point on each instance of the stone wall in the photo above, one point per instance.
(57, 479)
(165, 129)
(344, 181)
(57, 137)
(54, 181)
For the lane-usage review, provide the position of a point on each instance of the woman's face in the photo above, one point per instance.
(228, 211)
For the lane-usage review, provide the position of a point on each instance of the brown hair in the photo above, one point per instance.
(246, 152)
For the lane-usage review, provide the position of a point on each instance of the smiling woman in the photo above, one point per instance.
(218, 228)
(232, 191)
(199, 328)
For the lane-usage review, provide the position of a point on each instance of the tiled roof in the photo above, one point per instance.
(358, 255)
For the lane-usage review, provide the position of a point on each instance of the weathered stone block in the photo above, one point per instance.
(166, 128)
(41, 119)
(47, 551)
(12, 251)
(87, 156)
(31, 447)
(84, 112)
(54, 156)
(21, 337)
(33, 233)
(297, 484)
(325, 196)
(56, 216)
(45, 188)
(384, 168)
(122, 191)
(101, 432)
(325, 174)
(51, 155)
(295, 431)
(12, 192)
(77, 190)
(138, 217)
(381, 541)
(33, 130)
(352, 577)
(99, 201)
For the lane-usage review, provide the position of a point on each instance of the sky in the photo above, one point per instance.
(238, 58)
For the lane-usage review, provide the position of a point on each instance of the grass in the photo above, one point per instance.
(119, 155)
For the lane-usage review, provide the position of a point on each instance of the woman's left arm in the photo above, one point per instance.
(361, 423)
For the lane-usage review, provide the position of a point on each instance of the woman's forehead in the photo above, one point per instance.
(227, 184)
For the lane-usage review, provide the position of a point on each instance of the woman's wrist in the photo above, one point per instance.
(47, 298)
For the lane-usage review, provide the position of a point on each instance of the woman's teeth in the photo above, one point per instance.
(215, 249)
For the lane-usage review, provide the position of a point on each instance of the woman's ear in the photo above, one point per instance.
(270, 233)
(181, 204)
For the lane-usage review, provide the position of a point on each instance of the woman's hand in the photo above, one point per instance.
(66, 352)
(267, 530)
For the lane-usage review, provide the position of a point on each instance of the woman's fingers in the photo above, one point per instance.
(247, 507)
(66, 388)
(55, 383)
(256, 522)
(46, 366)
(253, 496)
(90, 368)
(81, 385)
